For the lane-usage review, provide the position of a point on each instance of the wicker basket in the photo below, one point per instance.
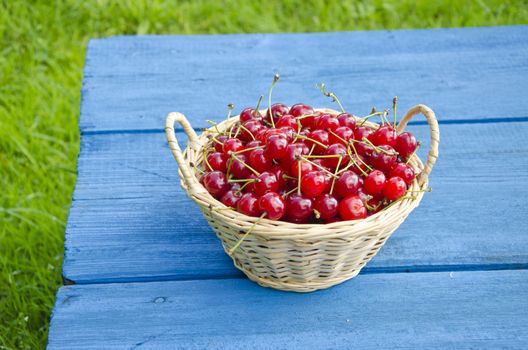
(297, 257)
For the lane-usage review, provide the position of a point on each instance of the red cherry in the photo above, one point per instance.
(348, 120)
(273, 205)
(230, 198)
(277, 110)
(248, 204)
(332, 220)
(293, 151)
(361, 148)
(279, 173)
(333, 150)
(320, 136)
(298, 208)
(233, 145)
(384, 161)
(300, 109)
(266, 182)
(219, 146)
(352, 208)
(251, 128)
(259, 160)
(406, 144)
(253, 144)
(276, 146)
(394, 188)
(249, 114)
(344, 133)
(288, 131)
(359, 166)
(373, 202)
(313, 184)
(385, 135)
(238, 169)
(216, 161)
(287, 120)
(327, 206)
(305, 168)
(375, 182)
(347, 184)
(327, 122)
(405, 171)
(215, 183)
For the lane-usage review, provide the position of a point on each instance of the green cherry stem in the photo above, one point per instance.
(394, 105)
(337, 169)
(275, 80)
(230, 108)
(235, 247)
(331, 95)
(244, 164)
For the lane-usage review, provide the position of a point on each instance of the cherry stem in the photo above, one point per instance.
(358, 158)
(324, 156)
(288, 177)
(367, 117)
(377, 149)
(241, 180)
(230, 108)
(317, 214)
(197, 169)
(235, 247)
(247, 130)
(207, 161)
(215, 125)
(215, 140)
(248, 149)
(331, 95)
(244, 164)
(311, 150)
(290, 191)
(299, 176)
(239, 191)
(302, 137)
(275, 80)
(394, 105)
(412, 154)
(337, 169)
(255, 111)
(336, 135)
(398, 200)
(318, 166)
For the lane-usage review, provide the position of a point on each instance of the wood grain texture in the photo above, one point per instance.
(442, 310)
(130, 221)
(473, 73)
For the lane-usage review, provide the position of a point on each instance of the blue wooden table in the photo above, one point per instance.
(143, 270)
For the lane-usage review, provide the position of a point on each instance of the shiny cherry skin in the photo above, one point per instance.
(254, 143)
(273, 205)
(233, 145)
(361, 148)
(334, 150)
(375, 182)
(215, 183)
(298, 207)
(301, 109)
(406, 144)
(279, 173)
(216, 161)
(347, 184)
(327, 122)
(352, 208)
(321, 136)
(219, 145)
(259, 160)
(341, 135)
(384, 161)
(373, 204)
(293, 151)
(248, 204)
(305, 168)
(230, 198)
(313, 184)
(405, 171)
(249, 114)
(238, 169)
(348, 120)
(287, 120)
(266, 182)
(276, 146)
(326, 205)
(394, 188)
(385, 135)
(277, 110)
(251, 128)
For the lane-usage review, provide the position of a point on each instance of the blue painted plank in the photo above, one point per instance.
(458, 310)
(474, 73)
(130, 221)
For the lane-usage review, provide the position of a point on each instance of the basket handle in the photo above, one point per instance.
(435, 137)
(188, 176)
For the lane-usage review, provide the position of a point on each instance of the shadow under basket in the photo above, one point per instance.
(297, 257)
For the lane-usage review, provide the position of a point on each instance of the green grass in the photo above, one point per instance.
(42, 47)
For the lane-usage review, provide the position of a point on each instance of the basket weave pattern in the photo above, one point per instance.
(297, 257)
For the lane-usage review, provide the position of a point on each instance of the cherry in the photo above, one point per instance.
(352, 208)
(347, 184)
(248, 204)
(266, 182)
(373, 204)
(375, 182)
(385, 135)
(219, 146)
(384, 160)
(233, 145)
(288, 131)
(277, 110)
(251, 128)
(253, 144)
(216, 161)
(298, 207)
(327, 122)
(230, 198)
(321, 137)
(259, 160)
(341, 135)
(299, 110)
(313, 184)
(333, 150)
(249, 114)
(215, 183)
(394, 188)
(346, 119)
(279, 174)
(238, 169)
(326, 205)
(276, 146)
(406, 144)
(362, 148)
(306, 167)
(273, 205)
(293, 151)
(405, 171)
(287, 120)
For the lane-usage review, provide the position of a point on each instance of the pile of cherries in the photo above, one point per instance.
(304, 166)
